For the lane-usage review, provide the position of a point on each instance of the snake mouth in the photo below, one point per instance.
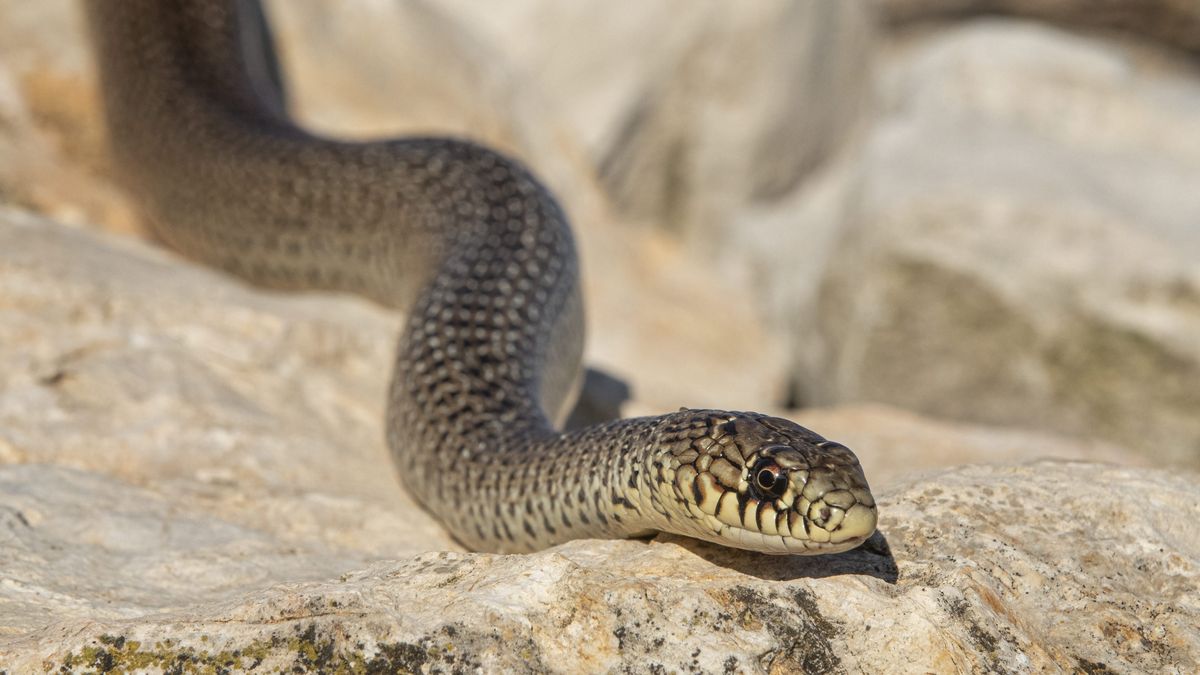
(824, 529)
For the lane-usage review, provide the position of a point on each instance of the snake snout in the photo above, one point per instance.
(842, 515)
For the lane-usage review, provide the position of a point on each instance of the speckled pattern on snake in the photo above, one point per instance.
(480, 255)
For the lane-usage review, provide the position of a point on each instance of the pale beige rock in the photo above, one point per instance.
(1048, 566)
(730, 126)
(52, 155)
(896, 445)
(192, 473)
(1027, 251)
(117, 358)
(690, 108)
(123, 359)
(194, 477)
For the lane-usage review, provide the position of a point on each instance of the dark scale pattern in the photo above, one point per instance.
(480, 254)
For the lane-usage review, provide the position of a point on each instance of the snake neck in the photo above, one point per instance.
(586, 483)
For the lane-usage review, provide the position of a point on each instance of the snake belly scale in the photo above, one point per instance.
(481, 257)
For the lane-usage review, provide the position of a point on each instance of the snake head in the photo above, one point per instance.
(761, 483)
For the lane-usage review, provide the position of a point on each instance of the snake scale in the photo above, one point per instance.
(480, 255)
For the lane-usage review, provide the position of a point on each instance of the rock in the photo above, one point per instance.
(733, 130)
(1048, 566)
(192, 473)
(119, 357)
(725, 105)
(1171, 22)
(193, 476)
(895, 445)
(52, 154)
(1026, 253)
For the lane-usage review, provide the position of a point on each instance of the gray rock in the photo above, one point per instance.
(119, 357)
(1027, 252)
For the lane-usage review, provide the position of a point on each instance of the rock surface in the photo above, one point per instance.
(725, 104)
(998, 146)
(1027, 250)
(52, 156)
(990, 569)
(192, 474)
(249, 516)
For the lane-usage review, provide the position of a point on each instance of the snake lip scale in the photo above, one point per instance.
(481, 256)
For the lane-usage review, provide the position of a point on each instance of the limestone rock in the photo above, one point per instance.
(52, 154)
(119, 357)
(896, 445)
(722, 105)
(192, 473)
(1027, 251)
(1049, 566)
(192, 476)
(730, 127)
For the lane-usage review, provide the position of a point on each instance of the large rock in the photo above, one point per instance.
(731, 127)
(119, 355)
(192, 476)
(690, 110)
(431, 78)
(1027, 250)
(1050, 566)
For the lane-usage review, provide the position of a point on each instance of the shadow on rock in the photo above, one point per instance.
(873, 558)
(600, 400)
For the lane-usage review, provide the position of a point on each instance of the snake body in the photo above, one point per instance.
(481, 256)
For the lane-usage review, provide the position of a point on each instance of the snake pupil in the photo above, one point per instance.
(770, 481)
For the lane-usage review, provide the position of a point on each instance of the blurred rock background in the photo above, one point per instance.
(930, 205)
(942, 231)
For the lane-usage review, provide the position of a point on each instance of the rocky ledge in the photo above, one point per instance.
(1025, 568)
(192, 479)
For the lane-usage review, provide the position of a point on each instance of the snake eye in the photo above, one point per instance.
(770, 479)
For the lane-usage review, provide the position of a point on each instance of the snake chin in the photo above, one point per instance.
(757, 541)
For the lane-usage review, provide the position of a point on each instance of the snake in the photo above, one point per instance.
(480, 257)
